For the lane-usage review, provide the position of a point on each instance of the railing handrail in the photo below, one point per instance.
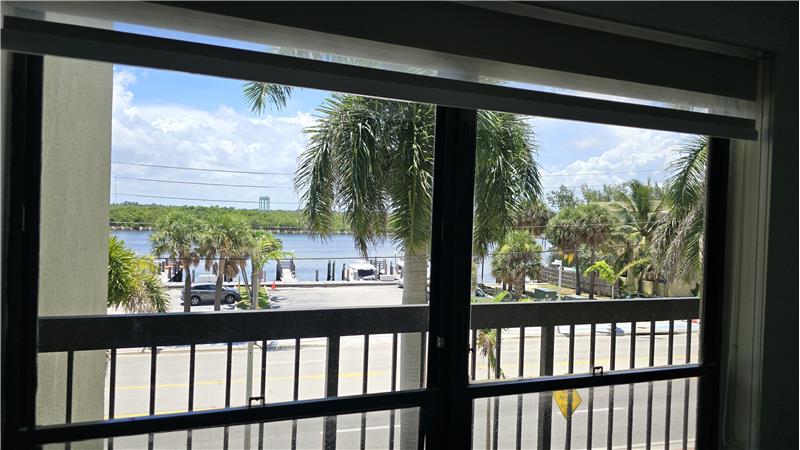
(98, 332)
(582, 312)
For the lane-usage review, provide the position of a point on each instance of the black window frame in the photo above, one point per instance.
(444, 403)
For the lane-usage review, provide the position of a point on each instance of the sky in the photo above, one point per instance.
(187, 120)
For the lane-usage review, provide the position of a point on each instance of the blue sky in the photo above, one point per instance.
(179, 119)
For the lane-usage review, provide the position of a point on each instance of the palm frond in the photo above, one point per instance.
(677, 240)
(506, 174)
(260, 96)
(411, 170)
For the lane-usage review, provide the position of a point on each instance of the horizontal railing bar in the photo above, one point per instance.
(80, 431)
(58, 334)
(64, 333)
(559, 382)
(48, 38)
(577, 312)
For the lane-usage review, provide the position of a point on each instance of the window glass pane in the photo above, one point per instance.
(224, 184)
(660, 414)
(587, 247)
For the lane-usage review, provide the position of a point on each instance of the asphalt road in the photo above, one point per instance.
(133, 369)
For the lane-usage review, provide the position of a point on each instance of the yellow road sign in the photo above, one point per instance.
(567, 401)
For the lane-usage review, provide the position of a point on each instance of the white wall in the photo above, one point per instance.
(76, 159)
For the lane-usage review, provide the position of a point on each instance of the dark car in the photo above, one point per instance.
(205, 293)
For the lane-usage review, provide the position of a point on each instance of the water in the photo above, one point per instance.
(339, 247)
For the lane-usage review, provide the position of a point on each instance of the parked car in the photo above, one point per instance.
(480, 293)
(205, 293)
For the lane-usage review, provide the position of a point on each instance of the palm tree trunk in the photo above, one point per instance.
(415, 287)
(187, 287)
(256, 282)
(592, 277)
(218, 291)
(577, 274)
(520, 281)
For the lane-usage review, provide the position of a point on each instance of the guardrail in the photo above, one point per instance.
(112, 332)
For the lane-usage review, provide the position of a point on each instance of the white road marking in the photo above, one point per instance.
(352, 430)
(594, 410)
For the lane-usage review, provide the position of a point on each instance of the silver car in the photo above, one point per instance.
(205, 293)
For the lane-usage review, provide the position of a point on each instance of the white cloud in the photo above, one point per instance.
(634, 153)
(178, 135)
(587, 142)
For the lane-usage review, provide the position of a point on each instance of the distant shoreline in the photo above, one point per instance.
(282, 230)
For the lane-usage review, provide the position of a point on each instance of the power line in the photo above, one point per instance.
(160, 166)
(201, 199)
(154, 180)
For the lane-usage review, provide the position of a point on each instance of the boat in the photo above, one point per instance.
(361, 270)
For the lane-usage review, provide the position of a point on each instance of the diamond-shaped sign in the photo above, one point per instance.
(567, 401)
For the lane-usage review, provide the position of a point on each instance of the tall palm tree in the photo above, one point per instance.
(224, 242)
(638, 207)
(373, 160)
(177, 236)
(563, 232)
(678, 238)
(260, 247)
(595, 224)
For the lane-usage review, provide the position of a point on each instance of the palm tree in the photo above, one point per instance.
(133, 281)
(261, 247)
(534, 216)
(678, 238)
(373, 160)
(517, 258)
(225, 241)
(638, 207)
(595, 224)
(177, 236)
(562, 232)
(486, 341)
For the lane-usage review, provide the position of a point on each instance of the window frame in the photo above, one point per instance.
(448, 382)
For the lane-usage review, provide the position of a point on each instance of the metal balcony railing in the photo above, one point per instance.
(547, 322)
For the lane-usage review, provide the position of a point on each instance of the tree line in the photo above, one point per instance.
(134, 215)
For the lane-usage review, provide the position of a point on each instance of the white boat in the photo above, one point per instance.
(361, 270)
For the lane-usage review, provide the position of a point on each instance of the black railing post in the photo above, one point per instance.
(547, 346)
(331, 390)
